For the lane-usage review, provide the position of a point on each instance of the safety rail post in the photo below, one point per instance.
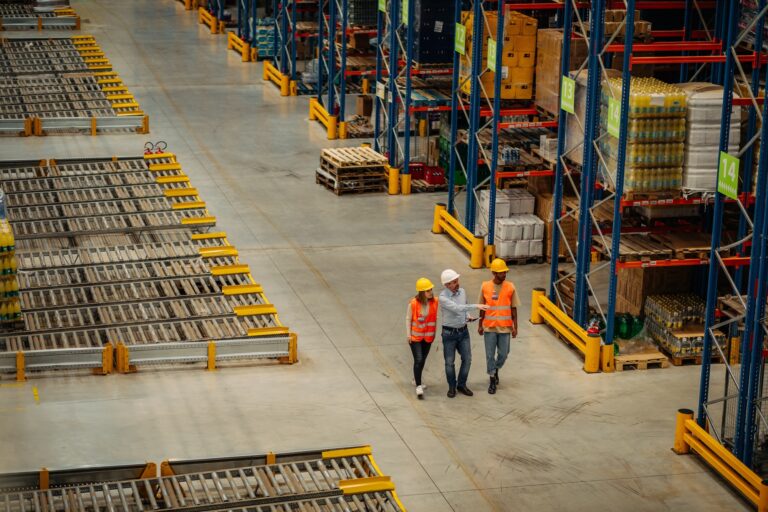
(444, 222)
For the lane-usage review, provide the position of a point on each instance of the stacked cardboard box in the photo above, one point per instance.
(518, 56)
(636, 284)
(549, 51)
(545, 208)
(519, 237)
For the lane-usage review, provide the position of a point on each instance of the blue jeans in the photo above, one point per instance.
(453, 341)
(496, 350)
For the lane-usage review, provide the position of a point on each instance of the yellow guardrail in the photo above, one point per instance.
(690, 437)
(272, 74)
(318, 113)
(596, 358)
(239, 46)
(206, 18)
(444, 222)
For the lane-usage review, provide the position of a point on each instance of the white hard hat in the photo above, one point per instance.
(448, 275)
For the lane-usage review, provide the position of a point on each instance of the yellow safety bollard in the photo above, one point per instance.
(21, 375)
(477, 253)
(423, 128)
(437, 227)
(762, 497)
(333, 127)
(592, 354)
(681, 447)
(366, 86)
(393, 174)
(535, 315)
(343, 130)
(405, 184)
(285, 86)
(211, 356)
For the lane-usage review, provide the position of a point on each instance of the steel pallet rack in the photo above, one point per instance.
(345, 479)
(486, 118)
(398, 109)
(340, 67)
(730, 427)
(23, 16)
(284, 70)
(584, 178)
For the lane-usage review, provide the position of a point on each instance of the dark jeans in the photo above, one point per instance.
(456, 340)
(420, 351)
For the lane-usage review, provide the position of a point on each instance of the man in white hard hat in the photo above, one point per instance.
(455, 315)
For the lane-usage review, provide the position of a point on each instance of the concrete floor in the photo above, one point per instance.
(340, 270)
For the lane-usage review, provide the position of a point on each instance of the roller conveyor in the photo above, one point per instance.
(345, 480)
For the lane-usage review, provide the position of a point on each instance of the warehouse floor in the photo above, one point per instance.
(340, 271)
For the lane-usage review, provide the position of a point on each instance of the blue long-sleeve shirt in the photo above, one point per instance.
(454, 308)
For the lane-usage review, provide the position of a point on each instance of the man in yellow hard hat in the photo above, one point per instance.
(499, 322)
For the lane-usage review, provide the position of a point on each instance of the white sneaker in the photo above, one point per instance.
(420, 392)
(413, 383)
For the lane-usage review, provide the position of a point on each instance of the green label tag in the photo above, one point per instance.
(568, 95)
(383, 5)
(460, 41)
(614, 117)
(404, 14)
(491, 54)
(728, 177)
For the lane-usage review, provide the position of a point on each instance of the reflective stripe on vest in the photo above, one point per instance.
(499, 313)
(423, 328)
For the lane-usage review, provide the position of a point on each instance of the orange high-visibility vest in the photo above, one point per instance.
(423, 327)
(500, 312)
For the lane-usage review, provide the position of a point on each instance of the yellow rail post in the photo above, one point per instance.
(535, 296)
(680, 447)
(211, 356)
(21, 374)
(444, 222)
(393, 176)
(405, 184)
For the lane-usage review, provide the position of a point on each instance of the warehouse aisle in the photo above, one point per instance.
(340, 271)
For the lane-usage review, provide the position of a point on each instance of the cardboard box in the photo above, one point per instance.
(549, 48)
(520, 76)
(526, 59)
(634, 285)
(364, 105)
(524, 43)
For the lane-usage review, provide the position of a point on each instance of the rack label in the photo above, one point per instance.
(491, 54)
(383, 5)
(568, 95)
(381, 91)
(460, 41)
(728, 177)
(404, 13)
(614, 117)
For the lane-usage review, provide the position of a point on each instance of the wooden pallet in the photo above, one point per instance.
(353, 157)
(635, 248)
(640, 361)
(421, 186)
(525, 261)
(350, 187)
(686, 245)
(686, 360)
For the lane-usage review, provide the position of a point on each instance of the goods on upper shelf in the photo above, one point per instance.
(518, 56)
(549, 50)
(519, 237)
(264, 37)
(703, 135)
(362, 13)
(434, 31)
(10, 307)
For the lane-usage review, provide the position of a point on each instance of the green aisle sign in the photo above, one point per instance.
(614, 117)
(404, 14)
(491, 54)
(728, 177)
(383, 5)
(568, 95)
(460, 41)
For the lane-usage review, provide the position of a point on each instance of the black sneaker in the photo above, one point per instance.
(492, 387)
(452, 392)
(464, 390)
(496, 377)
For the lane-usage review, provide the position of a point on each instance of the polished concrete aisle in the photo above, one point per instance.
(340, 270)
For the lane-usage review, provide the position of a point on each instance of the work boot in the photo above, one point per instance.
(496, 376)
(451, 392)
(492, 386)
(464, 390)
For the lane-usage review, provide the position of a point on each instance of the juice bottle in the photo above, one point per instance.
(14, 287)
(12, 264)
(16, 309)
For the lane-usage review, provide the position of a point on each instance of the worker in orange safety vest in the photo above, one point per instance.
(499, 322)
(421, 326)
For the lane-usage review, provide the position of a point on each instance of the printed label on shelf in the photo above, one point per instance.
(460, 41)
(614, 117)
(381, 91)
(492, 55)
(568, 95)
(504, 72)
(728, 176)
(383, 5)
(404, 13)
(439, 27)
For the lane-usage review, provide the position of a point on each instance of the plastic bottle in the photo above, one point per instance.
(12, 265)
(16, 309)
(14, 287)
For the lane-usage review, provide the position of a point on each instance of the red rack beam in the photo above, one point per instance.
(746, 102)
(521, 174)
(680, 34)
(668, 46)
(528, 124)
(735, 261)
(695, 59)
(658, 6)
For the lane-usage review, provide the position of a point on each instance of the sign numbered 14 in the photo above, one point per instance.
(728, 177)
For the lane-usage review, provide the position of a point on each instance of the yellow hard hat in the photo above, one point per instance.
(423, 285)
(499, 265)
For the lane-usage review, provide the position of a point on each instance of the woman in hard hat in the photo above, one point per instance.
(421, 325)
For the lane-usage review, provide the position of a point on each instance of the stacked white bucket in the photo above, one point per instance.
(705, 102)
(518, 233)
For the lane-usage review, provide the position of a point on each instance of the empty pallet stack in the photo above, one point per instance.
(352, 170)
(37, 15)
